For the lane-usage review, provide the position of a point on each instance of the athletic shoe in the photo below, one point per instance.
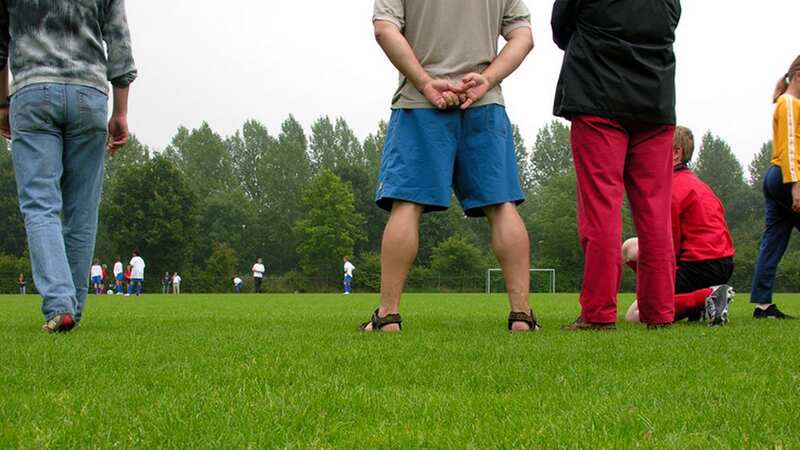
(771, 313)
(716, 311)
(127, 295)
(59, 324)
(581, 325)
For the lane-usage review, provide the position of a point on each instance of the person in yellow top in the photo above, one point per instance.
(781, 192)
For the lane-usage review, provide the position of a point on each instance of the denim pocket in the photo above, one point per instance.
(31, 109)
(92, 110)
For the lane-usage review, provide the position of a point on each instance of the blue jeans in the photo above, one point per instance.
(59, 135)
(780, 221)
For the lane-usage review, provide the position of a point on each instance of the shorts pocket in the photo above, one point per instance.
(92, 110)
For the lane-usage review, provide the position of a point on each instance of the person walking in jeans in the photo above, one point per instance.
(62, 56)
(781, 193)
(617, 86)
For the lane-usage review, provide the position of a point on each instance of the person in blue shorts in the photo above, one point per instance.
(449, 131)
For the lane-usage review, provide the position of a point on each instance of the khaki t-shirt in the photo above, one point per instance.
(451, 38)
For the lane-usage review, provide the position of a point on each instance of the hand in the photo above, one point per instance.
(442, 93)
(5, 126)
(796, 197)
(117, 133)
(473, 86)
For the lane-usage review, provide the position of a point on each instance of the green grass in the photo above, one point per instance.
(213, 371)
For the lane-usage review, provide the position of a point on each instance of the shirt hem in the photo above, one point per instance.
(21, 84)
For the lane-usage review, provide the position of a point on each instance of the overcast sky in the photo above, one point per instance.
(226, 62)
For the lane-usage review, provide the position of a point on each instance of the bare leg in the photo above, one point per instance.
(398, 251)
(511, 245)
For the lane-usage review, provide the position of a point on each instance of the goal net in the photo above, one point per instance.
(542, 280)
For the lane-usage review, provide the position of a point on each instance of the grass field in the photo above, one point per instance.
(215, 371)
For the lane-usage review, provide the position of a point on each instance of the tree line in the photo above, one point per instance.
(208, 205)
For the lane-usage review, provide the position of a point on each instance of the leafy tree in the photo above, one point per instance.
(759, 165)
(227, 218)
(221, 267)
(373, 152)
(523, 160)
(364, 192)
(205, 161)
(329, 226)
(283, 174)
(719, 168)
(247, 148)
(368, 267)
(13, 240)
(456, 259)
(552, 154)
(334, 146)
(151, 207)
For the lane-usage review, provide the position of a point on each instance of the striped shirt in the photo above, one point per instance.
(786, 138)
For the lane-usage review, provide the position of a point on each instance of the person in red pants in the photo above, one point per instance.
(703, 246)
(617, 86)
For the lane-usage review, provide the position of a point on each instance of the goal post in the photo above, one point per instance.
(550, 272)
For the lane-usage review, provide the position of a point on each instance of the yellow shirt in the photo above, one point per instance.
(786, 138)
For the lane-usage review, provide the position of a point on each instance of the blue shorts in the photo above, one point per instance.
(120, 277)
(428, 153)
(137, 280)
(96, 280)
(348, 278)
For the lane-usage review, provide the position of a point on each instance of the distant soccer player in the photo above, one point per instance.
(702, 242)
(617, 87)
(63, 54)
(449, 130)
(258, 274)
(237, 284)
(137, 274)
(781, 193)
(348, 275)
(97, 277)
(165, 283)
(119, 275)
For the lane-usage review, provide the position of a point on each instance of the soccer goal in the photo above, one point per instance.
(494, 278)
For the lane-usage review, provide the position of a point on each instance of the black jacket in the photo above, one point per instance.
(618, 60)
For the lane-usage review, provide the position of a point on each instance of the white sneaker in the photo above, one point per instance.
(127, 295)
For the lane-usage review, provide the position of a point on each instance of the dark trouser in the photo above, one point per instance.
(257, 284)
(780, 220)
(611, 159)
(694, 275)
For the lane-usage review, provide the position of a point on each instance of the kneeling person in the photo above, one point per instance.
(703, 245)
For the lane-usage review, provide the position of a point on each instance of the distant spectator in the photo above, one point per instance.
(165, 283)
(176, 283)
(21, 283)
(237, 284)
(258, 274)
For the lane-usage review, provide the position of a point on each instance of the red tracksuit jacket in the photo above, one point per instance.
(699, 230)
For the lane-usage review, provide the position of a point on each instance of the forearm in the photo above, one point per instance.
(4, 80)
(121, 101)
(400, 53)
(519, 45)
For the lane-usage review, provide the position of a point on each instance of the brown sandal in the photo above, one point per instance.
(527, 318)
(378, 322)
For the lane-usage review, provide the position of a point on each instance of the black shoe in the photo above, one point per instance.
(771, 313)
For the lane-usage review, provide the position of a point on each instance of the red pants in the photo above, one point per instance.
(610, 160)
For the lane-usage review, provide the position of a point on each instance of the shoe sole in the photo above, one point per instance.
(717, 306)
